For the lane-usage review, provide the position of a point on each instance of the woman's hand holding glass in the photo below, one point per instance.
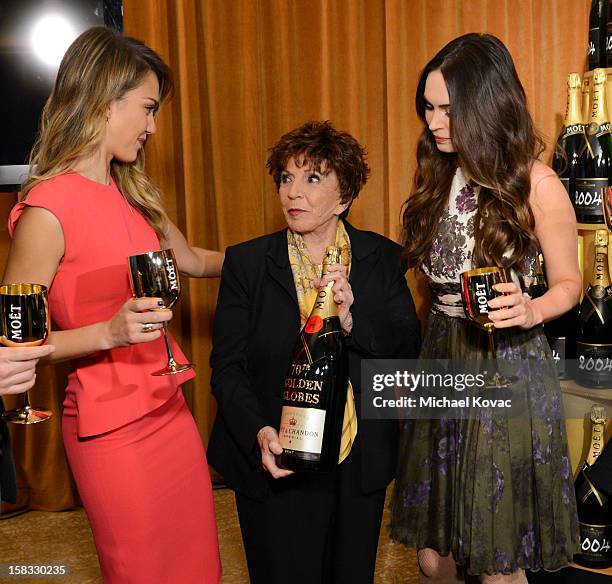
(512, 309)
(139, 320)
(18, 367)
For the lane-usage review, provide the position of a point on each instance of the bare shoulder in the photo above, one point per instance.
(546, 188)
(542, 172)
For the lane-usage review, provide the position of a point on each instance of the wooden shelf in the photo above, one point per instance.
(591, 226)
(571, 387)
(604, 572)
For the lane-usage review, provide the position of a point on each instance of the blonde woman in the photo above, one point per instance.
(132, 444)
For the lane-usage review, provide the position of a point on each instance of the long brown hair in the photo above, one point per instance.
(495, 141)
(99, 67)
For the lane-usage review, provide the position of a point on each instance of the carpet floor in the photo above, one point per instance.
(64, 538)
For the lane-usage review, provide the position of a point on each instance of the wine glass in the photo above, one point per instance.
(154, 275)
(476, 291)
(24, 322)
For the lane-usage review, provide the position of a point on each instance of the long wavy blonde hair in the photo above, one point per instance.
(99, 67)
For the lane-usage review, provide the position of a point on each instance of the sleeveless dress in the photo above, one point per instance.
(495, 491)
(132, 444)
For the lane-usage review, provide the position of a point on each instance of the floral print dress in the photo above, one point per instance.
(495, 491)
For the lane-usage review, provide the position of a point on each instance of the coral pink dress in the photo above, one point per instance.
(133, 447)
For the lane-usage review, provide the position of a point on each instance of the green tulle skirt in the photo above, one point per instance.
(496, 492)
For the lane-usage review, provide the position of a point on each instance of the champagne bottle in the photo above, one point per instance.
(594, 508)
(598, 19)
(315, 387)
(571, 141)
(594, 338)
(595, 162)
(560, 332)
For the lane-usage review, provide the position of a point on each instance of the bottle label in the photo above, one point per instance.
(557, 347)
(587, 199)
(595, 543)
(572, 130)
(594, 364)
(301, 429)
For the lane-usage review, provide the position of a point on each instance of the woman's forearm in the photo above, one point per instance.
(78, 342)
(210, 262)
(558, 300)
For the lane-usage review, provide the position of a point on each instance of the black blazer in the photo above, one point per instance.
(8, 482)
(256, 325)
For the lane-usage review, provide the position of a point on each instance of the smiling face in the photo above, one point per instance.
(131, 120)
(437, 110)
(310, 199)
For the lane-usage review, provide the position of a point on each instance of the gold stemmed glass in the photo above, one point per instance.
(476, 291)
(24, 322)
(154, 275)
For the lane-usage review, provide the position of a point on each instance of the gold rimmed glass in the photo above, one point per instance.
(24, 322)
(476, 291)
(154, 274)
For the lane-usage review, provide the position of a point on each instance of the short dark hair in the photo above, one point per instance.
(327, 149)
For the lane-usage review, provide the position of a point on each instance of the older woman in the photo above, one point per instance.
(306, 527)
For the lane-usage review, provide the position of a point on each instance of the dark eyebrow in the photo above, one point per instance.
(442, 106)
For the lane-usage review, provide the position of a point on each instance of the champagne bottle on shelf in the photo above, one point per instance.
(598, 20)
(594, 507)
(560, 332)
(595, 163)
(572, 140)
(594, 337)
(316, 387)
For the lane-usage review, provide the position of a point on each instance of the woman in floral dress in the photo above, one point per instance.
(491, 495)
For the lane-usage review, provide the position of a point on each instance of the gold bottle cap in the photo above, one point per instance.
(598, 414)
(601, 238)
(599, 76)
(573, 81)
(332, 255)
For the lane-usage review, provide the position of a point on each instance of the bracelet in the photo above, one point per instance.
(347, 321)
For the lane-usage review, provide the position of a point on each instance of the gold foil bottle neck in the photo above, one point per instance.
(573, 107)
(601, 238)
(598, 414)
(601, 273)
(599, 113)
(586, 100)
(332, 255)
(598, 423)
(599, 76)
(573, 81)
